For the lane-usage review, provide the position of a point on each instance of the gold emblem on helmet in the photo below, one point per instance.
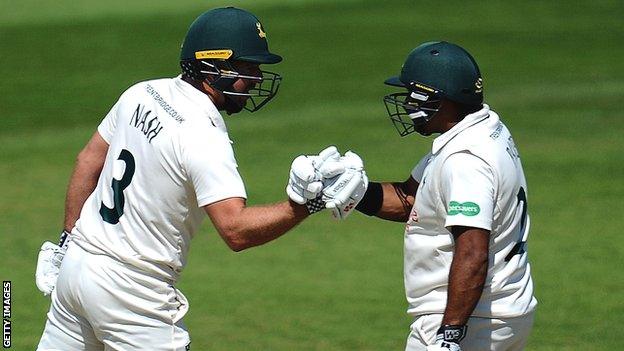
(479, 85)
(261, 33)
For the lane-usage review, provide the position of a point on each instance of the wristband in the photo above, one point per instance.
(372, 200)
(315, 205)
(451, 333)
(64, 239)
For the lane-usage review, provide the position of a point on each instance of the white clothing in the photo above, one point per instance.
(101, 304)
(170, 143)
(483, 334)
(169, 154)
(473, 177)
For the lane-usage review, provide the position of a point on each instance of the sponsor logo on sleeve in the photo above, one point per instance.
(467, 208)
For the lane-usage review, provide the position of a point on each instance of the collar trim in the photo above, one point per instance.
(203, 102)
(467, 122)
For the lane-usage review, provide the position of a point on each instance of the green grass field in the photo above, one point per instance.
(553, 70)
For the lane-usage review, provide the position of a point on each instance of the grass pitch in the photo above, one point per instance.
(553, 70)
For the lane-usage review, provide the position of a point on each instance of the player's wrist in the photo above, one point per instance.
(451, 333)
(64, 239)
(315, 205)
(372, 201)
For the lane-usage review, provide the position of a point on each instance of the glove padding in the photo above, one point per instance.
(342, 193)
(49, 263)
(48, 267)
(307, 173)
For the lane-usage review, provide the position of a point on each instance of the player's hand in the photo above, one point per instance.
(49, 264)
(303, 182)
(448, 338)
(308, 172)
(343, 192)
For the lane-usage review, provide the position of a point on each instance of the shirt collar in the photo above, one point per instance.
(203, 101)
(467, 122)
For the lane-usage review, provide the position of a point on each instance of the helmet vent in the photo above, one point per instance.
(435, 52)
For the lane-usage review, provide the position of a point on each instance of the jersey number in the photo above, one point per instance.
(111, 215)
(520, 246)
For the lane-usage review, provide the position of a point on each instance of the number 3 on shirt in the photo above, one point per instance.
(111, 215)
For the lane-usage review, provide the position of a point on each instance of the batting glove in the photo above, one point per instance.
(49, 263)
(342, 193)
(307, 173)
(448, 338)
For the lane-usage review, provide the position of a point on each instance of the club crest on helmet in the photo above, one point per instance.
(261, 33)
(479, 85)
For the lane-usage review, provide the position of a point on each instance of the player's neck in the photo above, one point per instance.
(201, 86)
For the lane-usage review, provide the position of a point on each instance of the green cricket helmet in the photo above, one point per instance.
(221, 36)
(433, 71)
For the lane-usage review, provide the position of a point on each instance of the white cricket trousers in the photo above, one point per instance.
(101, 304)
(484, 334)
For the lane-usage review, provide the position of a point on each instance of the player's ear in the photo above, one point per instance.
(215, 95)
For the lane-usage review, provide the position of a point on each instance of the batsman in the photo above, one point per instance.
(161, 160)
(465, 207)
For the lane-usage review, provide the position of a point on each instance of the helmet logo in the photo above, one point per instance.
(424, 87)
(213, 54)
(261, 33)
(479, 85)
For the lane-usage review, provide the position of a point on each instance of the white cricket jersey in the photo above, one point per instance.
(473, 177)
(169, 155)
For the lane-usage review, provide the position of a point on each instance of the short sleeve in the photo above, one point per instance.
(468, 191)
(211, 167)
(419, 169)
(109, 123)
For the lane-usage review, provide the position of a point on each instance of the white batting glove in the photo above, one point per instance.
(308, 172)
(49, 263)
(304, 182)
(342, 193)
